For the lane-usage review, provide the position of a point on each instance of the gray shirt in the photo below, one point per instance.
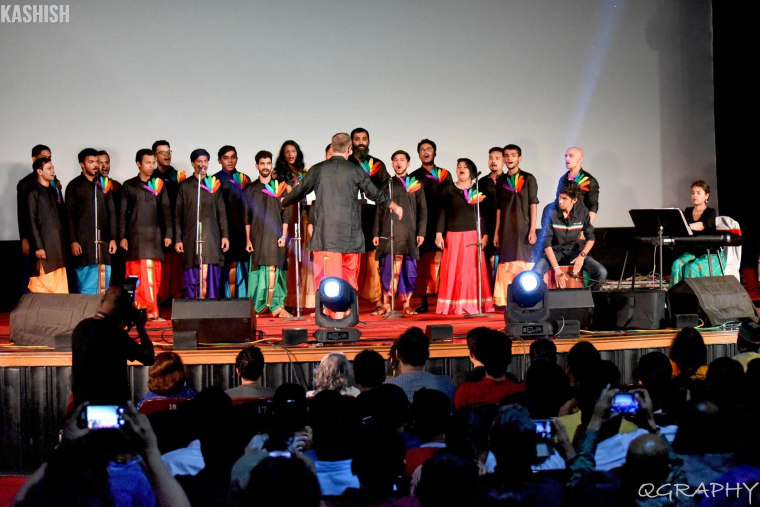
(411, 382)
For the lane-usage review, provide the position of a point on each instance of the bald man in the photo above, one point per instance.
(589, 185)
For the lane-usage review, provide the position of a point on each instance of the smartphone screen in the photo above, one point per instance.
(543, 428)
(99, 417)
(624, 403)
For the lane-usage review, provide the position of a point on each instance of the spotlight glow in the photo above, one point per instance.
(529, 281)
(331, 289)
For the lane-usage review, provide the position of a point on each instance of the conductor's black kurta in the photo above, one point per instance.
(213, 220)
(144, 218)
(336, 183)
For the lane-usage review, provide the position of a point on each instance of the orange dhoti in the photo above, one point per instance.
(427, 273)
(341, 265)
(369, 278)
(505, 273)
(146, 294)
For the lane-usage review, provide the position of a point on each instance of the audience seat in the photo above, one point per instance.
(161, 404)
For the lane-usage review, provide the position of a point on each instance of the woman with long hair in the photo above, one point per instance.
(167, 379)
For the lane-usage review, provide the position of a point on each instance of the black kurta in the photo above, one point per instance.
(144, 220)
(172, 178)
(46, 219)
(80, 208)
(265, 216)
(368, 211)
(23, 187)
(213, 220)
(589, 189)
(432, 187)
(338, 224)
(405, 231)
(233, 194)
(514, 195)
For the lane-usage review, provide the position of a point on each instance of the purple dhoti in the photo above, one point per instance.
(406, 273)
(212, 275)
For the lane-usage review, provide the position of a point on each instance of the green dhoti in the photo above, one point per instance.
(267, 287)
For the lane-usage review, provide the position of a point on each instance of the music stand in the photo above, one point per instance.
(658, 223)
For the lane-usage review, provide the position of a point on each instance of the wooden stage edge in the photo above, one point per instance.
(443, 349)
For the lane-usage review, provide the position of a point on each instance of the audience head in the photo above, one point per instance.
(212, 412)
(431, 410)
(513, 441)
(369, 369)
(581, 359)
(494, 351)
(448, 479)
(468, 432)
(249, 363)
(688, 351)
(412, 347)
(547, 389)
(334, 373)
(378, 458)
(748, 339)
(594, 488)
(283, 481)
(473, 336)
(647, 460)
(289, 415)
(386, 404)
(605, 373)
(334, 421)
(167, 375)
(726, 383)
(702, 430)
(543, 348)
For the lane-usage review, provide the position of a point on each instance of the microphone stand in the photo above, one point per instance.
(297, 254)
(199, 238)
(479, 244)
(393, 314)
(98, 242)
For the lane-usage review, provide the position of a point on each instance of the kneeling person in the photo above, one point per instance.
(562, 223)
(214, 235)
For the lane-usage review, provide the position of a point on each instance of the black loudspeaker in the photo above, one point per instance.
(718, 299)
(39, 318)
(439, 332)
(294, 336)
(630, 309)
(212, 321)
(570, 304)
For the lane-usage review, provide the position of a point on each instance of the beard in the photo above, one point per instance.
(360, 152)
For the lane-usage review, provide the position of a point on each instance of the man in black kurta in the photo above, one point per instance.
(369, 280)
(171, 268)
(235, 270)
(145, 228)
(487, 186)
(46, 242)
(91, 254)
(117, 259)
(398, 273)
(338, 239)
(430, 177)
(589, 187)
(266, 228)
(201, 280)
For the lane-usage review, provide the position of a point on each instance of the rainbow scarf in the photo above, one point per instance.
(410, 184)
(210, 184)
(303, 173)
(104, 182)
(370, 166)
(515, 183)
(438, 174)
(240, 180)
(274, 188)
(472, 196)
(581, 179)
(154, 186)
(58, 189)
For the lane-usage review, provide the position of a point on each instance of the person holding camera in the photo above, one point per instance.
(101, 347)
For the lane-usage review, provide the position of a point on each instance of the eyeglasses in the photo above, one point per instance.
(429, 148)
(164, 152)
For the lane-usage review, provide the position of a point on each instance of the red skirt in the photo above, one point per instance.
(458, 287)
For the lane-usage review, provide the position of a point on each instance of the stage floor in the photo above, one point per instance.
(377, 333)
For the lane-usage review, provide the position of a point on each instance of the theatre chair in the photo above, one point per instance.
(161, 405)
(171, 420)
(251, 415)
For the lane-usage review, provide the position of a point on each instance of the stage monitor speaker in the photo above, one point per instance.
(630, 309)
(213, 321)
(39, 318)
(570, 304)
(294, 336)
(439, 332)
(718, 299)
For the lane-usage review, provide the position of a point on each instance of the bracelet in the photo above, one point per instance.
(582, 254)
(556, 267)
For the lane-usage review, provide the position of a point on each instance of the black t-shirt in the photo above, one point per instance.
(100, 349)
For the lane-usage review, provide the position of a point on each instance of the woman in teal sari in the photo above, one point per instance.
(701, 219)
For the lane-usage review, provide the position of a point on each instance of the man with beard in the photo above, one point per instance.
(91, 252)
(589, 187)
(515, 235)
(171, 272)
(399, 273)
(431, 177)
(369, 280)
(201, 281)
(235, 271)
(23, 187)
(266, 228)
(337, 240)
(117, 259)
(46, 240)
(487, 185)
(145, 229)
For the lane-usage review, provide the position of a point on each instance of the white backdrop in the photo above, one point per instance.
(628, 81)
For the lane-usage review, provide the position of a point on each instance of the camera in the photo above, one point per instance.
(624, 403)
(135, 317)
(100, 417)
